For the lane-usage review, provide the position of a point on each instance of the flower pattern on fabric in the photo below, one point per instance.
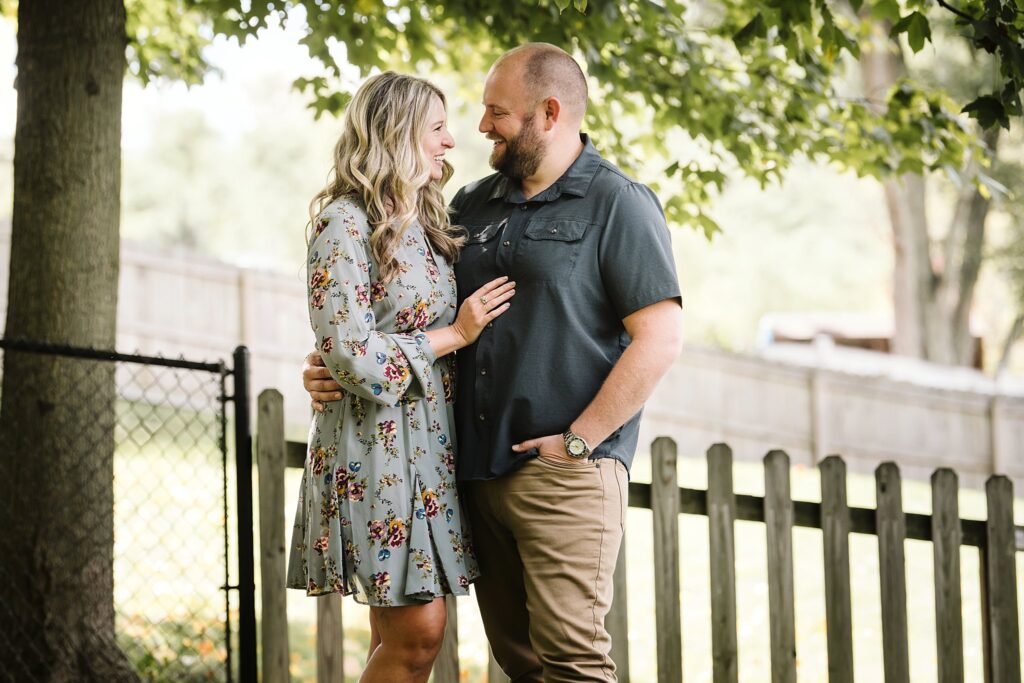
(378, 514)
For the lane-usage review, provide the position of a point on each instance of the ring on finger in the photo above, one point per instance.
(483, 300)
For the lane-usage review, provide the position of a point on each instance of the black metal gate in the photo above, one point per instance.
(183, 584)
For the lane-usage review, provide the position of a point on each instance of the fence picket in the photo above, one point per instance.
(721, 526)
(892, 533)
(665, 506)
(494, 672)
(1001, 629)
(330, 655)
(617, 621)
(835, 529)
(946, 536)
(270, 470)
(778, 519)
(446, 666)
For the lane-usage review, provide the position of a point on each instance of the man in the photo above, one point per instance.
(548, 399)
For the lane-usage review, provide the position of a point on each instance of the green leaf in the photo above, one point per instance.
(917, 28)
(887, 10)
(755, 28)
(988, 110)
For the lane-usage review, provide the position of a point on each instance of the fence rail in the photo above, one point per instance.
(997, 538)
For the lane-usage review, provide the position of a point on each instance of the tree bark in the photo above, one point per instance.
(932, 292)
(881, 66)
(57, 414)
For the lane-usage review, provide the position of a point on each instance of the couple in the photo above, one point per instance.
(568, 315)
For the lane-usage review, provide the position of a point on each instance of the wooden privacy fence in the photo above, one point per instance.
(997, 539)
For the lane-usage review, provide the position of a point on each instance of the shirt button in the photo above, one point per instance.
(506, 243)
(489, 325)
(523, 207)
(553, 231)
(481, 416)
(483, 371)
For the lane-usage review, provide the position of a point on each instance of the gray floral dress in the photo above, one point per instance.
(378, 513)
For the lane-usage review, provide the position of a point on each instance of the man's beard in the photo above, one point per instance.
(523, 153)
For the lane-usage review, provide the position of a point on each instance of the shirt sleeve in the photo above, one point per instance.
(380, 366)
(635, 253)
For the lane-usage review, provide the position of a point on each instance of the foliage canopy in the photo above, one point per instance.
(756, 85)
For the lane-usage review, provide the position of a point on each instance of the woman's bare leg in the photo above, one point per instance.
(410, 638)
(374, 634)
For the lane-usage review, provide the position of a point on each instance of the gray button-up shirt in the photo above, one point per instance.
(585, 253)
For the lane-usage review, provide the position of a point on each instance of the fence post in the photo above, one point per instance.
(1000, 582)
(247, 672)
(835, 530)
(665, 508)
(721, 527)
(778, 521)
(446, 666)
(617, 621)
(330, 645)
(891, 528)
(494, 672)
(270, 469)
(946, 538)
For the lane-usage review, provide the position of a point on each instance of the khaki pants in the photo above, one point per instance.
(547, 537)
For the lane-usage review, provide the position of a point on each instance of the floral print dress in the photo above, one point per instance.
(378, 513)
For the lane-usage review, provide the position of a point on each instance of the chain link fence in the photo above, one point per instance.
(115, 540)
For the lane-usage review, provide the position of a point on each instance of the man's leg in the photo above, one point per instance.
(499, 590)
(567, 521)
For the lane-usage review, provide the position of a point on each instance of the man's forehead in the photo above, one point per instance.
(502, 88)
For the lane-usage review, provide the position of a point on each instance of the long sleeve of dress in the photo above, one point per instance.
(375, 363)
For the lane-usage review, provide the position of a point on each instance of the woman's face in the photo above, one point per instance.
(437, 140)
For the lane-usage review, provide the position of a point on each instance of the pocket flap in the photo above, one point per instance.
(483, 232)
(560, 229)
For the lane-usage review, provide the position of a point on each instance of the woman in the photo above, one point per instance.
(378, 513)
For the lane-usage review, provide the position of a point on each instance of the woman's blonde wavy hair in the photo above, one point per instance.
(379, 157)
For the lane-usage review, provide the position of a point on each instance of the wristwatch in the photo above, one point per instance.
(576, 445)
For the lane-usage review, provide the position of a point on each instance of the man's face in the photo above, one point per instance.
(512, 124)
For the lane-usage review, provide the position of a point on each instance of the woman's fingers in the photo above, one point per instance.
(498, 311)
(499, 299)
(493, 284)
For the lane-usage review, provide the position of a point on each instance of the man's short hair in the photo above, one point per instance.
(550, 71)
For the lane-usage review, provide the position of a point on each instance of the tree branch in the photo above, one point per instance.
(960, 13)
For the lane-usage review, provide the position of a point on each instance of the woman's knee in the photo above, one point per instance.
(413, 633)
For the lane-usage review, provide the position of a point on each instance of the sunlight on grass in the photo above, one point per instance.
(751, 591)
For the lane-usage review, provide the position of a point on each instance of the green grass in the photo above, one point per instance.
(168, 601)
(751, 591)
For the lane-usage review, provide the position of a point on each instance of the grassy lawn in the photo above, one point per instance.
(168, 542)
(751, 591)
(169, 570)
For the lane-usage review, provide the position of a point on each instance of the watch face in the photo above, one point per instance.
(576, 446)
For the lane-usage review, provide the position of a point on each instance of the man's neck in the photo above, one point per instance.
(560, 156)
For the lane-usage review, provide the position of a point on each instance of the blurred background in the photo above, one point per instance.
(788, 289)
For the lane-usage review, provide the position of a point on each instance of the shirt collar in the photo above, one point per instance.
(575, 181)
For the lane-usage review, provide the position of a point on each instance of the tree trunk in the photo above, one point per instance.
(881, 66)
(57, 414)
(948, 316)
(932, 298)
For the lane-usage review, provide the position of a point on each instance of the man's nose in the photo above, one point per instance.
(485, 124)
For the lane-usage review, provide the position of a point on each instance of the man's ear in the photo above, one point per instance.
(552, 112)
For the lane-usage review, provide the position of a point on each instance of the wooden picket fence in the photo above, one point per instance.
(997, 539)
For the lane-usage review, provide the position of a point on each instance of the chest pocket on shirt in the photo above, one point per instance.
(550, 248)
(476, 264)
